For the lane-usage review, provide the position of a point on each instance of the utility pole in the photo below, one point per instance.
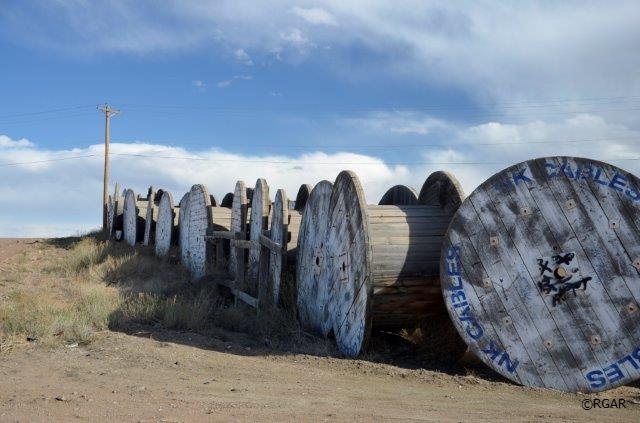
(108, 114)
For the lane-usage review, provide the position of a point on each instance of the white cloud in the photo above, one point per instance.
(9, 143)
(199, 85)
(295, 37)
(228, 82)
(315, 16)
(243, 57)
(490, 50)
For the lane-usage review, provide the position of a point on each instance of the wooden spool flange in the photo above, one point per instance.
(151, 218)
(227, 200)
(117, 213)
(302, 197)
(183, 228)
(278, 234)
(167, 225)
(200, 216)
(259, 222)
(383, 264)
(541, 277)
(399, 195)
(311, 277)
(239, 210)
(442, 188)
(133, 220)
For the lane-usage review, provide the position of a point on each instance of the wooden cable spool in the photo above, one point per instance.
(167, 226)
(302, 197)
(183, 228)
(133, 220)
(238, 226)
(151, 218)
(399, 195)
(115, 229)
(259, 222)
(312, 293)
(443, 189)
(227, 200)
(383, 264)
(279, 233)
(541, 274)
(201, 216)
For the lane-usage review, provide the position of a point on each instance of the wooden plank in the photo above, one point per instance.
(215, 235)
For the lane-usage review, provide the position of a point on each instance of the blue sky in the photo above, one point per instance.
(212, 92)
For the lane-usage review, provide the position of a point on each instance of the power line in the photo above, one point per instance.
(205, 159)
(392, 146)
(41, 112)
(49, 160)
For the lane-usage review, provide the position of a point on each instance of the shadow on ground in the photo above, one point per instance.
(160, 301)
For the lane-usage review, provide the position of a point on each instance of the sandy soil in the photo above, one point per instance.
(151, 374)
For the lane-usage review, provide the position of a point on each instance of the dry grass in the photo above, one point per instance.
(87, 285)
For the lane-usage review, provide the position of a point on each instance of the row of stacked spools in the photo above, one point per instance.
(510, 272)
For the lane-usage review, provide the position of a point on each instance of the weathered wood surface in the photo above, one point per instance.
(443, 189)
(278, 235)
(295, 219)
(111, 211)
(312, 291)
(198, 218)
(238, 226)
(541, 274)
(384, 267)
(399, 195)
(302, 197)
(220, 221)
(166, 227)
(151, 218)
(227, 200)
(117, 212)
(349, 265)
(133, 222)
(260, 209)
(183, 228)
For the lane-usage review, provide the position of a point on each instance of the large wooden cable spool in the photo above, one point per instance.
(133, 220)
(110, 214)
(312, 293)
(201, 216)
(151, 218)
(278, 234)
(239, 210)
(227, 200)
(183, 228)
(383, 264)
(302, 197)
(442, 188)
(541, 274)
(118, 211)
(399, 195)
(259, 222)
(167, 225)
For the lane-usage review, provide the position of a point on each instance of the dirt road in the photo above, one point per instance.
(149, 373)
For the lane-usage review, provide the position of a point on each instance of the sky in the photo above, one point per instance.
(295, 91)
